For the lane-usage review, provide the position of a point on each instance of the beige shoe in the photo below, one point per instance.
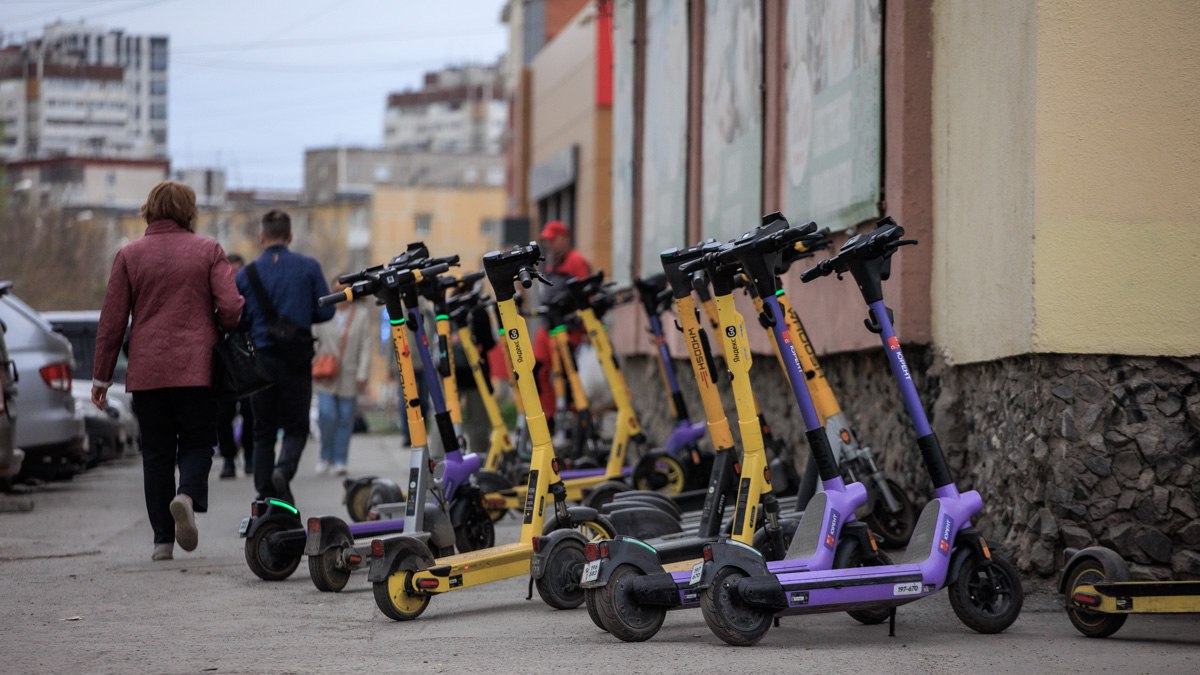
(186, 534)
(163, 552)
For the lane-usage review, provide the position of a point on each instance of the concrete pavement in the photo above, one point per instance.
(78, 592)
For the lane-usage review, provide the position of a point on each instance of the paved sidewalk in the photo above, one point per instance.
(78, 593)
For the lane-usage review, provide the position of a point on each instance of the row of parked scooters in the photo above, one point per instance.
(740, 535)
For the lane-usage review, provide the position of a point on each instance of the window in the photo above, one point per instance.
(424, 224)
(487, 227)
(158, 111)
(158, 87)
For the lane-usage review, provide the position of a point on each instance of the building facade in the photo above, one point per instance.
(460, 109)
(329, 172)
(86, 91)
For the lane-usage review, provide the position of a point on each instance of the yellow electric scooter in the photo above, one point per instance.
(404, 573)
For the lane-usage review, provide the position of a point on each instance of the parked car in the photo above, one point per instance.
(11, 456)
(50, 432)
(114, 431)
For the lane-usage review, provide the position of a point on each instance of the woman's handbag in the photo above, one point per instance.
(237, 371)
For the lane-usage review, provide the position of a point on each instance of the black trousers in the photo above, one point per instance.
(282, 406)
(179, 428)
(226, 411)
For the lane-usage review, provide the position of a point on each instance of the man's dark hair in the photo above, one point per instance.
(235, 259)
(276, 225)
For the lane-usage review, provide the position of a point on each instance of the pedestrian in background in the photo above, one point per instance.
(178, 287)
(346, 342)
(227, 413)
(281, 290)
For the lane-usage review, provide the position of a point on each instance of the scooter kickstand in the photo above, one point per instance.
(776, 623)
(892, 623)
(529, 594)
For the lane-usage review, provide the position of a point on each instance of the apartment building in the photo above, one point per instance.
(85, 91)
(460, 109)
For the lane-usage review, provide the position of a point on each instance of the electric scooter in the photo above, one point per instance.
(405, 573)
(1100, 597)
(457, 519)
(742, 594)
(633, 609)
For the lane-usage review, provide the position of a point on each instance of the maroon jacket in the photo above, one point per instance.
(173, 281)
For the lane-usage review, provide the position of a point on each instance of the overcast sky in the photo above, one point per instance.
(255, 82)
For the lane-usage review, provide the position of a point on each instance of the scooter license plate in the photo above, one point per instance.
(591, 571)
(535, 566)
(697, 572)
(244, 526)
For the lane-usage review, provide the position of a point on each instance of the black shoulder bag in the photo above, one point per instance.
(294, 342)
(236, 369)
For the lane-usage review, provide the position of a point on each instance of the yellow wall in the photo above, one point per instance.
(456, 225)
(1117, 247)
(1066, 156)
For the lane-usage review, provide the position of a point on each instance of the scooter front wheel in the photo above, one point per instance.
(1094, 624)
(729, 618)
(393, 596)
(619, 611)
(264, 558)
(895, 528)
(559, 585)
(476, 531)
(488, 482)
(987, 598)
(358, 502)
(328, 571)
(661, 473)
(592, 529)
(851, 555)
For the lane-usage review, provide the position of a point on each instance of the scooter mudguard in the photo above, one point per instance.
(732, 553)
(392, 548)
(441, 531)
(467, 497)
(645, 523)
(270, 510)
(858, 532)
(968, 543)
(1107, 557)
(625, 551)
(324, 533)
(351, 484)
(546, 545)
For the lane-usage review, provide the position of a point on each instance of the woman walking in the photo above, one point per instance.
(178, 287)
(346, 343)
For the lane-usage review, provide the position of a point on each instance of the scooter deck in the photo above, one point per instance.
(475, 568)
(1143, 597)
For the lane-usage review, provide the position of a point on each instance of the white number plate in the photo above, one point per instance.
(245, 525)
(591, 571)
(697, 571)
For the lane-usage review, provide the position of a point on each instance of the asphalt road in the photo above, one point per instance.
(79, 593)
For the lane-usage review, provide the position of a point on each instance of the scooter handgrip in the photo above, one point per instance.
(822, 269)
(334, 298)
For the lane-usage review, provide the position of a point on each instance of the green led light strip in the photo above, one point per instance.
(779, 292)
(396, 322)
(442, 317)
(285, 505)
(558, 330)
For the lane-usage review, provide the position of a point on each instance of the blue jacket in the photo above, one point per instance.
(293, 282)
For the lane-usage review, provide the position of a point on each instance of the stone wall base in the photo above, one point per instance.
(1067, 450)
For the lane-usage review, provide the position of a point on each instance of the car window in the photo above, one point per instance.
(23, 327)
(82, 335)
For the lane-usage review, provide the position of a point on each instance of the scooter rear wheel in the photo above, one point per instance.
(852, 556)
(264, 559)
(476, 531)
(987, 598)
(592, 529)
(559, 585)
(392, 595)
(727, 616)
(1094, 624)
(621, 614)
(895, 528)
(327, 570)
(487, 482)
(591, 601)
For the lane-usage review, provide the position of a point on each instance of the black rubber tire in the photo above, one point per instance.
(405, 562)
(765, 544)
(592, 529)
(894, 528)
(559, 585)
(603, 494)
(488, 481)
(265, 563)
(655, 499)
(619, 612)
(852, 556)
(324, 571)
(987, 598)
(477, 530)
(585, 463)
(590, 600)
(358, 502)
(1094, 624)
(660, 473)
(727, 617)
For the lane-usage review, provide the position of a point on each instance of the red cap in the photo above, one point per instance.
(554, 228)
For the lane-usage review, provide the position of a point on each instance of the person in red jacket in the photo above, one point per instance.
(179, 288)
(563, 262)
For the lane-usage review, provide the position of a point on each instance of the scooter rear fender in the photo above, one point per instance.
(393, 547)
(626, 551)
(269, 512)
(731, 553)
(546, 545)
(330, 531)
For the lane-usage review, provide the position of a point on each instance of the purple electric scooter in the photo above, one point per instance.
(743, 594)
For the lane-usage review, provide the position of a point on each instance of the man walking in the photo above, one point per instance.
(281, 290)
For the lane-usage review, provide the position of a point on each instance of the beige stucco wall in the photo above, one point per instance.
(1066, 155)
(983, 189)
(1117, 248)
(457, 216)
